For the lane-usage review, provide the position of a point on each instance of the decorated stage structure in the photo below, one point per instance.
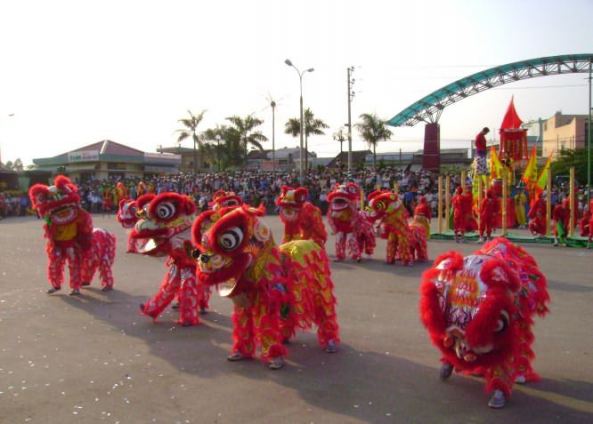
(505, 165)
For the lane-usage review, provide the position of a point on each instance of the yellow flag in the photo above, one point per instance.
(495, 164)
(543, 176)
(530, 174)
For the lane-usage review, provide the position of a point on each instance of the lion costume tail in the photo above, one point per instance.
(310, 290)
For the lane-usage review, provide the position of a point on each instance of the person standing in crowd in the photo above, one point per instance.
(520, 202)
(480, 145)
(487, 216)
(561, 217)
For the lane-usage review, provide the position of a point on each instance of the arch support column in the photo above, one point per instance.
(431, 157)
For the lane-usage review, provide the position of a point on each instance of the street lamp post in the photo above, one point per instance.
(589, 140)
(218, 151)
(302, 123)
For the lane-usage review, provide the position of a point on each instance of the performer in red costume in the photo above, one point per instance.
(561, 217)
(590, 224)
(537, 215)
(458, 215)
(488, 210)
(164, 229)
(351, 227)
(71, 237)
(302, 220)
(479, 312)
(403, 241)
(423, 215)
(274, 289)
(584, 222)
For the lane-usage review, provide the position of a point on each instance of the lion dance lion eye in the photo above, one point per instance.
(231, 239)
(502, 323)
(165, 210)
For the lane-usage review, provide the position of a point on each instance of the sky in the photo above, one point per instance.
(76, 72)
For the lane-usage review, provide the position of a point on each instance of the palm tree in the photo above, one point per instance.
(340, 137)
(190, 129)
(312, 126)
(244, 129)
(372, 130)
(212, 151)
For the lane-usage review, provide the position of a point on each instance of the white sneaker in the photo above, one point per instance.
(235, 356)
(497, 400)
(276, 363)
(331, 347)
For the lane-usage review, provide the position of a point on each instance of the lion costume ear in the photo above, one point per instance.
(301, 194)
(449, 261)
(496, 273)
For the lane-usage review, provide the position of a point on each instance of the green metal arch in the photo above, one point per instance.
(429, 108)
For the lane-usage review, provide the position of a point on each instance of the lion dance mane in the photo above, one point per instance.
(479, 311)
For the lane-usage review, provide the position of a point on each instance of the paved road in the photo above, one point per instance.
(94, 359)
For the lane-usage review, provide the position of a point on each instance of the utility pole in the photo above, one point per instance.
(350, 96)
(273, 105)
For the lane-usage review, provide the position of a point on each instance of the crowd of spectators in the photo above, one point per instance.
(255, 187)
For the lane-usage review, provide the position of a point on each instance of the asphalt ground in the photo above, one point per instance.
(94, 359)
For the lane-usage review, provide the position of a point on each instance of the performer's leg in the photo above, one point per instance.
(325, 317)
(169, 287)
(243, 334)
(340, 246)
(391, 248)
(204, 293)
(353, 247)
(269, 335)
(107, 256)
(188, 298)
(55, 267)
(73, 256)
(499, 382)
(403, 243)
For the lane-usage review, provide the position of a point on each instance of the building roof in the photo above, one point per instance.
(108, 147)
(110, 151)
(358, 156)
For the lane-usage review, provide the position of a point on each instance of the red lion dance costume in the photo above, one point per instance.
(126, 216)
(403, 241)
(479, 312)
(224, 199)
(352, 228)
(302, 220)
(164, 229)
(71, 237)
(274, 289)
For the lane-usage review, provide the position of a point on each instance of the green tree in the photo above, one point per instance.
(372, 130)
(245, 131)
(313, 126)
(190, 128)
(571, 158)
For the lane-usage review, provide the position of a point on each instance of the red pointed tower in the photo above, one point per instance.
(513, 138)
